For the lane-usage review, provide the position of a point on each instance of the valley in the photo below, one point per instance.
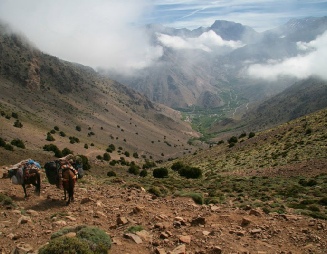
(186, 157)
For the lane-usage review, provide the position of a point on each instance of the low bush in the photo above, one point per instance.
(144, 173)
(5, 200)
(97, 239)
(177, 166)
(88, 239)
(190, 172)
(18, 142)
(111, 173)
(69, 245)
(134, 229)
(160, 172)
(134, 169)
(2, 143)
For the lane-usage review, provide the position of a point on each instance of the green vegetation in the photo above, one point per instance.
(111, 173)
(5, 200)
(18, 142)
(160, 172)
(88, 240)
(134, 229)
(50, 137)
(71, 245)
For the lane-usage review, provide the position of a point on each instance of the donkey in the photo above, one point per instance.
(63, 175)
(26, 173)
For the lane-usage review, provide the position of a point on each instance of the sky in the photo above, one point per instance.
(110, 34)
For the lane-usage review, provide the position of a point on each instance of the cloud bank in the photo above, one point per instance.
(97, 33)
(208, 41)
(311, 62)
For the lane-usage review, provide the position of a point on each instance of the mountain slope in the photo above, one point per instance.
(302, 98)
(45, 92)
(184, 76)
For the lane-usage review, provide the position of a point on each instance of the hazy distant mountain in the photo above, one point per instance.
(202, 76)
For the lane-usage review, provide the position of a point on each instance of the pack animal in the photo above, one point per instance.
(26, 173)
(63, 174)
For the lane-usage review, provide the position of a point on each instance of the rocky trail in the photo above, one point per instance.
(168, 225)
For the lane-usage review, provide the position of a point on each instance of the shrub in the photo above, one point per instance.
(85, 161)
(78, 128)
(144, 173)
(126, 153)
(73, 140)
(242, 135)
(14, 115)
(155, 191)
(111, 173)
(99, 157)
(69, 244)
(112, 147)
(308, 131)
(134, 169)
(63, 134)
(149, 164)
(53, 148)
(18, 124)
(177, 166)
(160, 172)
(97, 239)
(135, 155)
(134, 229)
(233, 139)
(52, 131)
(86, 146)
(113, 163)
(190, 172)
(2, 143)
(5, 200)
(50, 137)
(66, 151)
(196, 197)
(323, 201)
(106, 157)
(18, 142)
(251, 134)
(56, 128)
(9, 147)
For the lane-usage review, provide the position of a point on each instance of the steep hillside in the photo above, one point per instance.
(44, 92)
(266, 193)
(302, 98)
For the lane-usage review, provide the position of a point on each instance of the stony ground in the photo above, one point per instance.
(170, 225)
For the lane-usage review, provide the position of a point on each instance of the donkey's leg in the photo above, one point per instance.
(24, 188)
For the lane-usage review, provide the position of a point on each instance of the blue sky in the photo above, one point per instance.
(259, 14)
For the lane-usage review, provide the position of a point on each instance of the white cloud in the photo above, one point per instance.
(313, 62)
(208, 41)
(97, 33)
